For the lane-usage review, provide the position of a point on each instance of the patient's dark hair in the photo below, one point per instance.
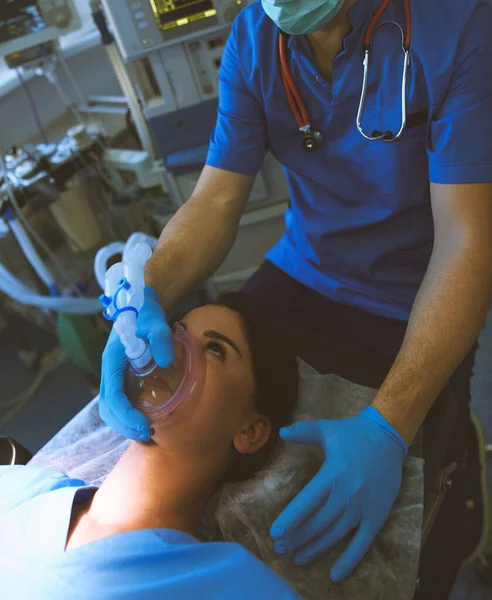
(275, 374)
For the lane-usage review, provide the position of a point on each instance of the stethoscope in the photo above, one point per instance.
(312, 138)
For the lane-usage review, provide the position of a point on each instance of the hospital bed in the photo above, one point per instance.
(68, 451)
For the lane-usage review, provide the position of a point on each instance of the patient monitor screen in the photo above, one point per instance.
(19, 18)
(174, 13)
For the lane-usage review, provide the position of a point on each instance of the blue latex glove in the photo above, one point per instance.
(114, 407)
(354, 489)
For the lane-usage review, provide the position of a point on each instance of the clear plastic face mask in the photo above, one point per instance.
(161, 392)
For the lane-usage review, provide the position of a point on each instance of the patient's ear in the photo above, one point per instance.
(254, 436)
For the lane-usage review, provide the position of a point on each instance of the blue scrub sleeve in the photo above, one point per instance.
(461, 132)
(239, 141)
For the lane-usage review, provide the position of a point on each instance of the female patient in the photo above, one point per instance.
(135, 535)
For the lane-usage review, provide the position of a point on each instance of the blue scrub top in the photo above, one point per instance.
(359, 228)
(35, 510)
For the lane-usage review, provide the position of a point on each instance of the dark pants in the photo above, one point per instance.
(361, 347)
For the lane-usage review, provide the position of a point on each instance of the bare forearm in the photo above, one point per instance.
(199, 236)
(445, 321)
(191, 248)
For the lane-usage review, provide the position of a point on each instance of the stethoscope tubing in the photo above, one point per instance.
(296, 103)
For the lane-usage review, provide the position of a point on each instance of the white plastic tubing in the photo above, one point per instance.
(18, 291)
(21, 293)
(131, 269)
(104, 254)
(31, 254)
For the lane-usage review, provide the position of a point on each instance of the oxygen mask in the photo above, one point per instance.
(158, 394)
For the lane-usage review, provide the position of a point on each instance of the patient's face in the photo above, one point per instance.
(225, 404)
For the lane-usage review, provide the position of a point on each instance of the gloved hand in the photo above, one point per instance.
(114, 407)
(354, 489)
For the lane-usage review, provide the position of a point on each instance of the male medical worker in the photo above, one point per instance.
(384, 273)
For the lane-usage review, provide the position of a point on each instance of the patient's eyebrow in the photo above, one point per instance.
(215, 335)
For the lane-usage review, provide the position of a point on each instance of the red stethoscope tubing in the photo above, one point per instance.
(296, 103)
(377, 17)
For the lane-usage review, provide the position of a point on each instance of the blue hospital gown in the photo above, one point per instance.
(35, 510)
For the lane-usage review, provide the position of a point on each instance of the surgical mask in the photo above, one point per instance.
(301, 17)
(159, 394)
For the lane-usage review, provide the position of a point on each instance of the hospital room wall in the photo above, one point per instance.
(94, 75)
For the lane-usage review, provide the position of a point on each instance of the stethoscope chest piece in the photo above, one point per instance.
(312, 140)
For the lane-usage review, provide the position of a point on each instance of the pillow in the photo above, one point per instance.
(247, 509)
